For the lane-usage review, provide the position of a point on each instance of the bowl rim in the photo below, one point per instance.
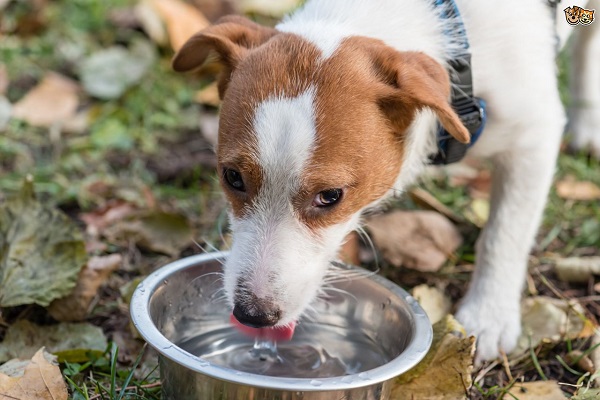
(140, 315)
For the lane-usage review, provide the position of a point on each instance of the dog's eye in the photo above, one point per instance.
(327, 197)
(234, 179)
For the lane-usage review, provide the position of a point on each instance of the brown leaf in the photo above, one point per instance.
(547, 319)
(53, 100)
(75, 306)
(420, 240)
(42, 380)
(97, 221)
(542, 390)
(445, 372)
(577, 190)
(182, 20)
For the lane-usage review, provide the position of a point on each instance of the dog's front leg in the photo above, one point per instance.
(585, 86)
(491, 307)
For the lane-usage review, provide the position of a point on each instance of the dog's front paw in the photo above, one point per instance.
(496, 324)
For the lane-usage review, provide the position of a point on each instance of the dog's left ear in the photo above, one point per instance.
(230, 38)
(412, 81)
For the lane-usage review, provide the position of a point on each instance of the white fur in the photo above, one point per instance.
(584, 110)
(513, 70)
(273, 253)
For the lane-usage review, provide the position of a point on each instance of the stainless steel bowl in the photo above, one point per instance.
(177, 301)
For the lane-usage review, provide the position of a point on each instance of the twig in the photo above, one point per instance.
(147, 386)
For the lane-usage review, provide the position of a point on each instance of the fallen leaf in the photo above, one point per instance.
(271, 8)
(445, 372)
(97, 221)
(54, 100)
(427, 201)
(209, 95)
(579, 358)
(15, 367)
(577, 269)
(41, 380)
(75, 306)
(41, 251)
(542, 390)
(435, 303)
(420, 240)
(547, 319)
(182, 20)
(72, 342)
(586, 393)
(108, 73)
(158, 231)
(577, 190)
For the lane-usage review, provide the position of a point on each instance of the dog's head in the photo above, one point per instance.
(305, 144)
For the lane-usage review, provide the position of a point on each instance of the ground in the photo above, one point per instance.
(128, 163)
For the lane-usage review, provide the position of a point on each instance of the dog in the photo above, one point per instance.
(338, 107)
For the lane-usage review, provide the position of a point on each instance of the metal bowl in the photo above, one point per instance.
(179, 300)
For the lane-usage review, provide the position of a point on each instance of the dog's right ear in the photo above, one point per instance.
(230, 37)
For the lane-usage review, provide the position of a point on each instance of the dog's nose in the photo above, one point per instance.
(256, 313)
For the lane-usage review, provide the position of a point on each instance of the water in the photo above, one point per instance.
(315, 352)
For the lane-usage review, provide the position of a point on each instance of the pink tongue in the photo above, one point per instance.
(278, 333)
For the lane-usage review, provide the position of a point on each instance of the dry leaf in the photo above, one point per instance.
(182, 20)
(577, 269)
(53, 100)
(542, 390)
(435, 303)
(41, 380)
(547, 319)
(97, 221)
(209, 95)
(420, 240)
(75, 306)
(577, 190)
(445, 372)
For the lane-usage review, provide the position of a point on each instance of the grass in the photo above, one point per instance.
(105, 378)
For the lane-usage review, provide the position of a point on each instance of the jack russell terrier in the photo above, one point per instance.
(340, 106)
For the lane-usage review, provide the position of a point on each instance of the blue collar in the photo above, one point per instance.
(470, 109)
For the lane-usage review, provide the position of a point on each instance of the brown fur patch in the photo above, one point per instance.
(367, 95)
